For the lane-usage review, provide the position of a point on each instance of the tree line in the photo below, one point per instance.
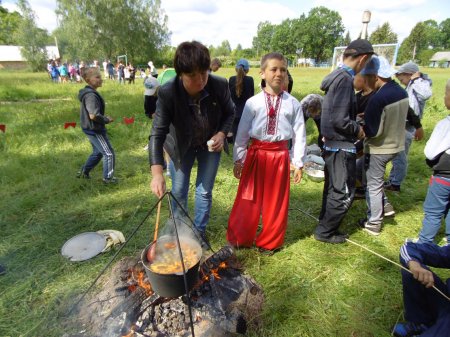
(138, 28)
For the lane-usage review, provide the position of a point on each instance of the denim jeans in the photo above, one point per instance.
(101, 148)
(436, 207)
(400, 162)
(374, 169)
(208, 163)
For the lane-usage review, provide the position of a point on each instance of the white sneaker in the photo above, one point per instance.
(146, 147)
(388, 210)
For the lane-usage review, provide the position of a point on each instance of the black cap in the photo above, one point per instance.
(359, 47)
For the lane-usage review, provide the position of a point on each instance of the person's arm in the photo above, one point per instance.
(439, 140)
(340, 116)
(427, 254)
(242, 139)
(416, 257)
(414, 120)
(160, 129)
(421, 274)
(93, 107)
(298, 151)
(421, 87)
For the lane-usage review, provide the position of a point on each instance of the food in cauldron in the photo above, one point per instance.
(167, 259)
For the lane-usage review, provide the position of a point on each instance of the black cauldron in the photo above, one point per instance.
(172, 285)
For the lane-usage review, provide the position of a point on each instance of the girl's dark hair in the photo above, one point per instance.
(239, 80)
(191, 57)
(271, 56)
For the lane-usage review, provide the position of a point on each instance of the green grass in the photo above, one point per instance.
(311, 289)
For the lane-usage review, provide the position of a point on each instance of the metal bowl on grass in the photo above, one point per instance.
(315, 175)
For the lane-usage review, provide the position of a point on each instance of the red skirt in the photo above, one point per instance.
(263, 191)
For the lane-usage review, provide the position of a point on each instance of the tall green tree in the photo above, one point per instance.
(108, 28)
(347, 39)
(324, 30)
(9, 25)
(32, 38)
(282, 38)
(263, 39)
(383, 34)
(223, 50)
(444, 28)
(425, 35)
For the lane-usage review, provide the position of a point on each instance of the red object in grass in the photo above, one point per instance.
(128, 120)
(69, 124)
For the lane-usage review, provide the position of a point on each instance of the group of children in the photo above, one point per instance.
(269, 138)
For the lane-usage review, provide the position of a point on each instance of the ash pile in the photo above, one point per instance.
(225, 302)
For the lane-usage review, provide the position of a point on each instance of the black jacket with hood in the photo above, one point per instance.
(92, 103)
(338, 124)
(172, 122)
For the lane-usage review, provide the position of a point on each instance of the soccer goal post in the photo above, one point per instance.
(388, 50)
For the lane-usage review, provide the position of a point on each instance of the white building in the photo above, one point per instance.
(11, 58)
(440, 59)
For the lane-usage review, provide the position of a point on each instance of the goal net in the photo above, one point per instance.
(389, 51)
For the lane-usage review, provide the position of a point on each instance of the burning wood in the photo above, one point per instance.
(224, 301)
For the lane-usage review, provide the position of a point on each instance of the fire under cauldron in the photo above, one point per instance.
(165, 273)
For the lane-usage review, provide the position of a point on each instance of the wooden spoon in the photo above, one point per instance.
(152, 250)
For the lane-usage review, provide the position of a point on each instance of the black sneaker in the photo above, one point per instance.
(388, 186)
(372, 229)
(360, 193)
(344, 235)
(83, 175)
(112, 180)
(2, 270)
(388, 209)
(330, 239)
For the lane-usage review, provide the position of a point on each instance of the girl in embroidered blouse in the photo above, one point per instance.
(262, 160)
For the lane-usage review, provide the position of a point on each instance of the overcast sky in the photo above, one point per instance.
(213, 21)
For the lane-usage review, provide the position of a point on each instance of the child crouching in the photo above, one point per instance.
(269, 120)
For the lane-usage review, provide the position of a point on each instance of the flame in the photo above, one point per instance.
(136, 278)
(215, 272)
(131, 333)
(143, 283)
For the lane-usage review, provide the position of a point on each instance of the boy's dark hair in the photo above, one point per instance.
(191, 57)
(216, 61)
(270, 56)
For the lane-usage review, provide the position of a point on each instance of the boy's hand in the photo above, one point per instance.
(421, 274)
(298, 174)
(237, 169)
(418, 135)
(361, 133)
(110, 119)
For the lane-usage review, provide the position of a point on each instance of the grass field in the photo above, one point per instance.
(311, 288)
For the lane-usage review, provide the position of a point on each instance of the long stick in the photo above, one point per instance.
(375, 253)
(393, 262)
(158, 212)
(115, 255)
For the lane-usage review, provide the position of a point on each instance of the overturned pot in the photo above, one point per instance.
(165, 273)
